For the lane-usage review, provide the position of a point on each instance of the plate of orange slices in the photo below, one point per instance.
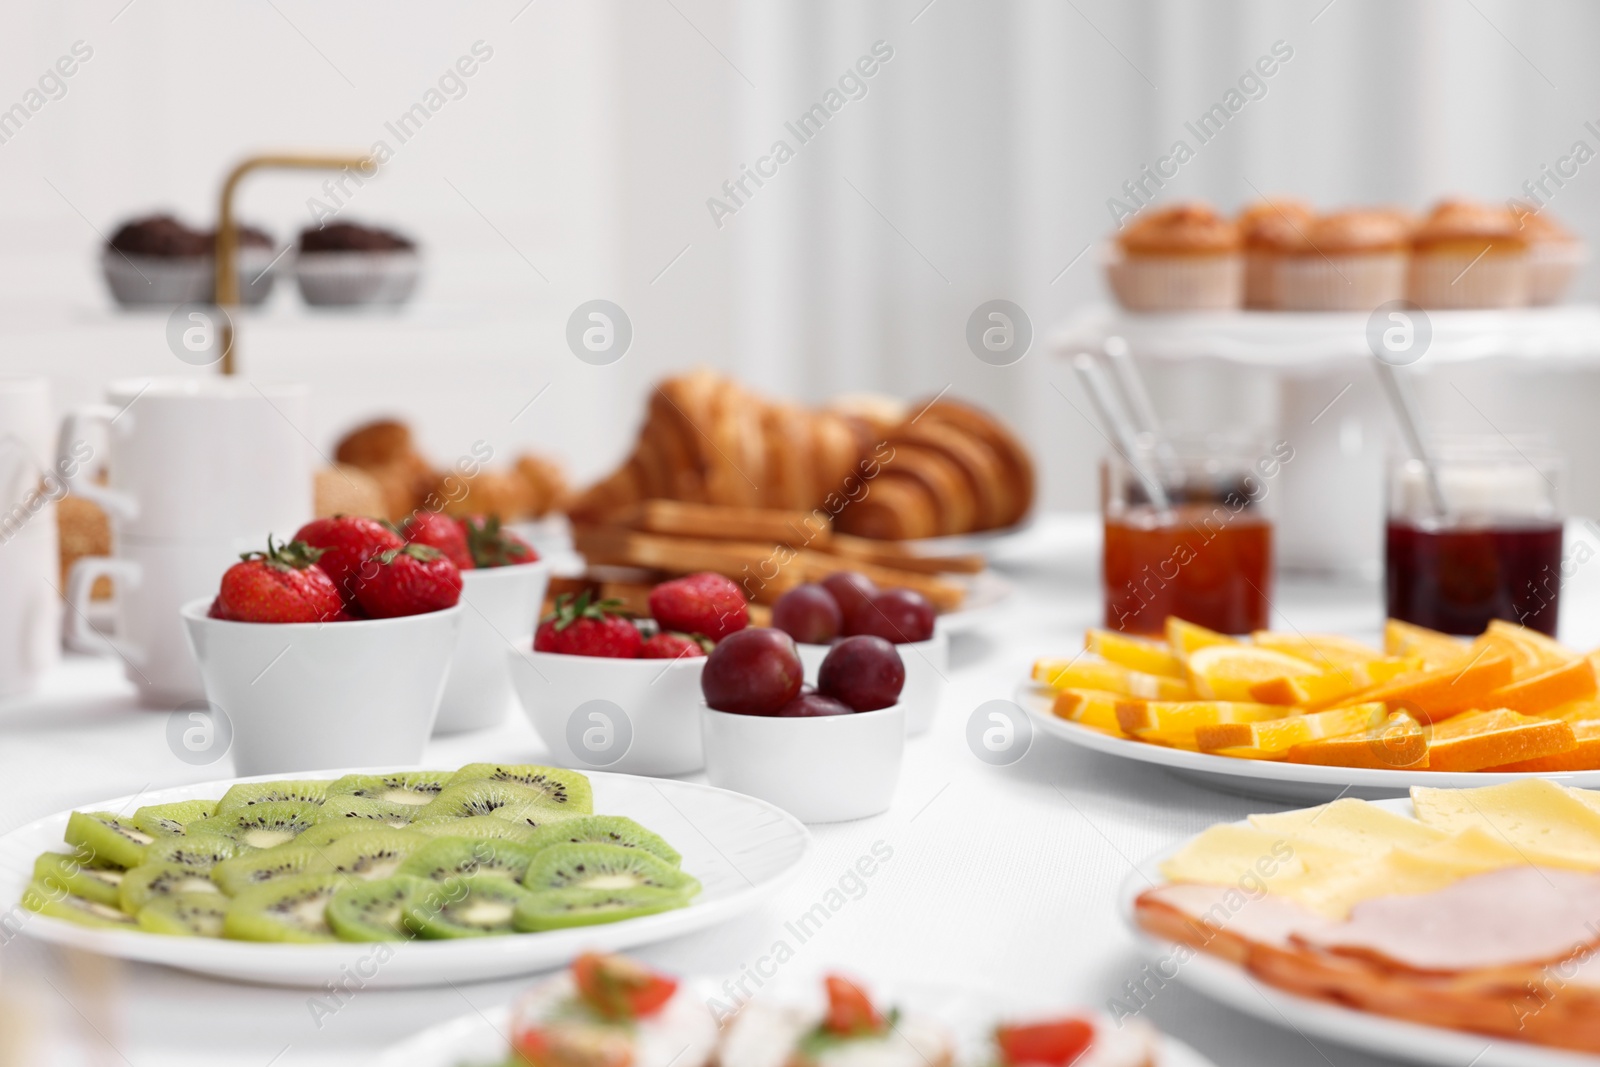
(1310, 716)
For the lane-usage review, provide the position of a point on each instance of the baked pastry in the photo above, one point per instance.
(346, 490)
(1268, 229)
(849, 1031)
(1554, 255)
(384, 450)
(609, 1011)
(1347, 261)
(1467, 255)
(82, 529)
(1180, 258)
(158, 260)
(343, 264)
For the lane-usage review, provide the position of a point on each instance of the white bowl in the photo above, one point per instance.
(305, 696)
(638, 716)
(342, 279)
(502, 604)
(825, 769)
(927, 666)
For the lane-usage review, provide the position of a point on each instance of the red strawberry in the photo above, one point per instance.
(493, 546)
(666, 645)
(282, 584)
(580, 628)
(347, 541)
(442, 532)
(703, 603)
(217, 611)
(409, 580)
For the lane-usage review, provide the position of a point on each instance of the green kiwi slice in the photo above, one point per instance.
(559, 787)
(62, 873)
(148, 881)
(475, 906)
(477, 826)
(604, 830)
(558, 909)
(173, 820)
(49, 900)
(327, 832)
(185, 914)
(251, 869)
(605, 867)
(370, 810)
(459, 857)
(376, 854)
(197, 851)
(503, 800)
(286, 909)
(373, 911)
(269, 823)
(412, 788)
(250, 794)
(107, 840)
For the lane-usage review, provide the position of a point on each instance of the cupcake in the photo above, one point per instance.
(609, 1011)
(1180, 258)
(1467, 255)
(849, 1031)
(256, 258)
(157, 260)
(343, 264)
(1267, 229)
(1347, 261)
(1554, 255)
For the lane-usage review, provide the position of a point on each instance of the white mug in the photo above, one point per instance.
(30, 606)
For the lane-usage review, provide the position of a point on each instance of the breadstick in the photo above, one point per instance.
(797, 528)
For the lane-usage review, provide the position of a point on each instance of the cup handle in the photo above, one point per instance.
(80, 636)
(117, 505)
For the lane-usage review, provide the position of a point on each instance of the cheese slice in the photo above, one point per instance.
(1533, 815)
(1350, 825)
(1229, 853)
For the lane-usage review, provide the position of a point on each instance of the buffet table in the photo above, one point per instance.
(999, 876)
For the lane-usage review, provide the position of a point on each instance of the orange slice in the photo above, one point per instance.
(1436, 649)
(1438, 694)
(1186, 638)
(1227, 672)
(1575, 710)
(1531, 652)
(1174, 722)
(1274, 738)
(1147, 657)
(1325, 650)
(1481, 739)
(1398, 744)
(1086, 673)
(1092, 707)
(1324, 688)
(1573, 680)
(1583, 756)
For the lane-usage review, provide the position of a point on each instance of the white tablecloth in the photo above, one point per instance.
(1004, 877)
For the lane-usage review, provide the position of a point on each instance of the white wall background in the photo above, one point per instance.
(978, 165)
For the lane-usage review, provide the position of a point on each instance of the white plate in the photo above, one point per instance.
(1383, 1036)
(1269, 778)
(986, 591)
(742, 850)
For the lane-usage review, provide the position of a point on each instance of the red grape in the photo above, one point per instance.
(899, 616)
(864, 672)
(809, 614)
(810, 706)
(752, 672)
(853, 592)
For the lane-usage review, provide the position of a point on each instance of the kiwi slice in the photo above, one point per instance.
(557, 909)
(412, 788)
(172, 820)
(285, 909)
(605, 867)
(327, 832)
(250, 794)
(269, 823)
(198, 852)
(458, 857)
(560, 788)
(107, 840)
(475, 906)
(49, 900)
(185, 914)
(604, 830)
(476, 826)
(148, 881)
(370, 810)
(251, 869)
(503, 800)
(66, 874)
(373, 911)
(376, 854)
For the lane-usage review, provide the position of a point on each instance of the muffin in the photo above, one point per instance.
(157, 260)
(1467, 255)
(1267, 229)
(1347, 261)
(1180, 258)
(1554, 255)
(257, 260)
(345, 264)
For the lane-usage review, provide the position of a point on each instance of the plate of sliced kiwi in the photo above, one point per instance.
(373, 878)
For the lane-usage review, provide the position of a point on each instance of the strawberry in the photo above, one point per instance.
(493, 546)
(409, 580)
(1052, 1044)
(619, 988)
(347, 541)
(217, 611)
(282, 584)
(702, 603)
(850, 1010)
(668, 645)
(442, 532)
(580, 628)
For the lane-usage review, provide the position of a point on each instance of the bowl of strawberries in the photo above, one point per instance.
(606, 689)
(331, 654)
